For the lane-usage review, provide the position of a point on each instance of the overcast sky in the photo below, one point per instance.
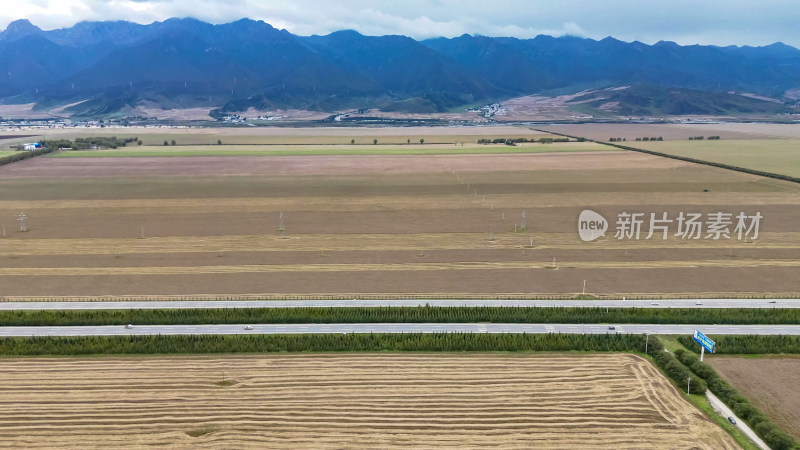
(719, 22)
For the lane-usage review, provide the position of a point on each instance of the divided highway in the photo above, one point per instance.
(531, 328)
(669, 303)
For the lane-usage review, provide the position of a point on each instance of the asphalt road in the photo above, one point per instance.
(676, 303)
(726, 412)
(119, 330)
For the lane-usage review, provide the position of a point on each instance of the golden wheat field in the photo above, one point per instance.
(348, 401)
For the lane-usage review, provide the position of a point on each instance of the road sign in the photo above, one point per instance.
(704, 341)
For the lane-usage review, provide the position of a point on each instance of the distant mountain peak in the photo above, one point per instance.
(185, 62)
(19, 29)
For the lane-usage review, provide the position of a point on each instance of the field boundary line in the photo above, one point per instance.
(776, 176)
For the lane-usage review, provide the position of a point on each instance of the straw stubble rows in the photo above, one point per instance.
(335, 401)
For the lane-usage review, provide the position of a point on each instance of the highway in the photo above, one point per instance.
(531, 328)
(670, 303)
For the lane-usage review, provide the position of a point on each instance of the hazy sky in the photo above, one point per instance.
(719, 22)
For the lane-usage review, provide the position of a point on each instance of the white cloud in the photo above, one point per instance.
(720, 22)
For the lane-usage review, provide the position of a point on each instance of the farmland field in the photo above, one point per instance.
(296, 136)
(603, 132)
(781, 156)
(353, 401)
(321, 150)
(382, 225)
(770, 383)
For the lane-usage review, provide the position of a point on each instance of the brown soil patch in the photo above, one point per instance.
(323, 165)
(383, 226)
(349, 401)
(769, 382)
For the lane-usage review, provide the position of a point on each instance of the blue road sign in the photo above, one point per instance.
(704, 341)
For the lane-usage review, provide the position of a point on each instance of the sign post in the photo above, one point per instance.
(705, 343)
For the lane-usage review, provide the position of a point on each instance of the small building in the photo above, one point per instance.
(33, 146)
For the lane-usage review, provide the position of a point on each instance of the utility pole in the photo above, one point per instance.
(22, 225)
(584, 287)
(282, 228)
(688, 384)
(645, 342)
(522, 226)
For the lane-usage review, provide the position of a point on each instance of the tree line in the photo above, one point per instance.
(388, 314)
(700, 138)
(519, 140)
(277, 343)
(23, 155)
(673, 368)
(749, 345)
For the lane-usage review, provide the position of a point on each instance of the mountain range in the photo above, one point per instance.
(104, 69)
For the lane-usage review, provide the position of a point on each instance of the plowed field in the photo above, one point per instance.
(769, 382)
(383, 226)
(348, 401)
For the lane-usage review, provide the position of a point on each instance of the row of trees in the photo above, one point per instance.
(271, 343)
(401, 315)
(375, 141)
(700, 138)
(638, 139)
(674, 368)
(82, 143)
(519, 140)
(103, 142)
(19, 156)
(766, 430)
(753, 344)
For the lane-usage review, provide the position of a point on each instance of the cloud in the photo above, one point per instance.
(720, 22)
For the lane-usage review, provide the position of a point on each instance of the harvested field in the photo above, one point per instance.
(755, 130)
(320, 165)
(13, 136)
(770, 383)
(306, 136)
(382, 225)
(603, 132)
(781, 156)
(329, 150)
(353, 401)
